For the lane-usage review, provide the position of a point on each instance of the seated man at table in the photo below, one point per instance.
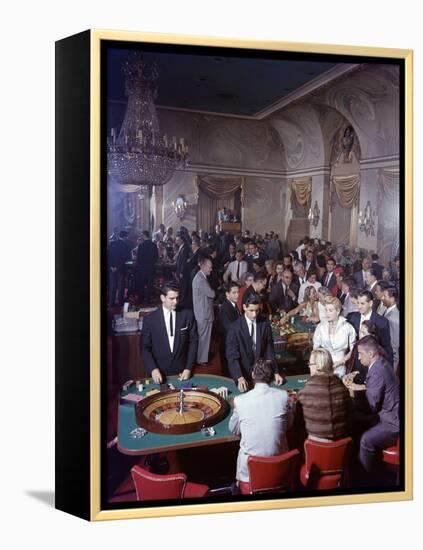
(249, 338)
(283, 293)
(262, 417)
(169, 338)
(382, 393)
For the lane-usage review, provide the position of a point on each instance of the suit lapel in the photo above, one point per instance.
(164, 330)
(178, 326)
(247, 335)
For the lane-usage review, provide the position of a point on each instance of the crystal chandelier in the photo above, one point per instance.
(140, 154)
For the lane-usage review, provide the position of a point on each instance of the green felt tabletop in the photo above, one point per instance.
(152, 442)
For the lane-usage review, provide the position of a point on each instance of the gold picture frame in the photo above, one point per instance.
(85, 51)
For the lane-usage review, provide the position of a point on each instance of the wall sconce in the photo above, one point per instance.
(366, 221)
(314, 215)
(180, 207)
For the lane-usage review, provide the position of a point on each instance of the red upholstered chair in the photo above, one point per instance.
(151, 486)
(325, 463)
(270, 474)
(391, 456)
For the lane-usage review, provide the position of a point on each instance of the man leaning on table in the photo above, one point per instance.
(169, 338)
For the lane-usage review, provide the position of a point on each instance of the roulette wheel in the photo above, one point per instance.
(180, 411)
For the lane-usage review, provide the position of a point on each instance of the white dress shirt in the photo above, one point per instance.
(371, 287)
(328, 277)
(365, 317)
(166, 313)
(232, 271)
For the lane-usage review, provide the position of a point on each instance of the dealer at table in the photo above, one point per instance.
(169, 338)
(249, 338)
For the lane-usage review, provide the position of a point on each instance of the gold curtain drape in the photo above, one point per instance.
(215, 192)
(302, 190)
(388, 180)
(347, 189)
(219, 187)
(301, 197)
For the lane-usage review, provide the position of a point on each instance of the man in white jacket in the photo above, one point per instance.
(262, 417)
(236, 269)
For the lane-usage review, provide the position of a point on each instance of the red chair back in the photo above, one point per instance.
(150, 486)
(272, 473)
(325, 463)
(391, 455)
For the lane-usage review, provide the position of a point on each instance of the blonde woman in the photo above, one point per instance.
(322, 293)
(309, 307)
(325, 400)
(336, 335)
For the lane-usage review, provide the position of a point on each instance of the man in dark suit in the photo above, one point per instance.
(360, 276)
(147, 257)
(229, 311)
(255, 256)
(366, 313)
(182, 267)
(377, 266)
(118, 253)
(283, 293)
(310, 263)
(382, 395)
(392, 314)
(169, 338)
(249, 338)
(329, 278)
(257, 287)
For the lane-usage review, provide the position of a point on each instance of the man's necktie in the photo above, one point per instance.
(171, 324)
(252, 337)
(237, 271)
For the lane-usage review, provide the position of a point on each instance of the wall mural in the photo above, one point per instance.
(300, 132)
(369, 99)
(239, 143)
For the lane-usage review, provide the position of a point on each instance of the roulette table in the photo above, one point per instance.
(183, 411)
(293, 344)
(167, 439)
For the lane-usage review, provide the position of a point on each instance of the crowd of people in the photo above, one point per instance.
(245, 281)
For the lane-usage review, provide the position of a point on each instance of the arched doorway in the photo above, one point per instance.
(344, 187)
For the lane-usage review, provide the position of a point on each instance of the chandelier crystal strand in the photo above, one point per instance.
(140, 154)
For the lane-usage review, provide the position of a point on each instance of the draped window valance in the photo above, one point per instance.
(302, 190)
(347, 189)
(388, 180)
(219, 187)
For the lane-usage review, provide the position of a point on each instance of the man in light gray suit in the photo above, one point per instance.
(202, 298)
(389, 299)
(262, 417)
